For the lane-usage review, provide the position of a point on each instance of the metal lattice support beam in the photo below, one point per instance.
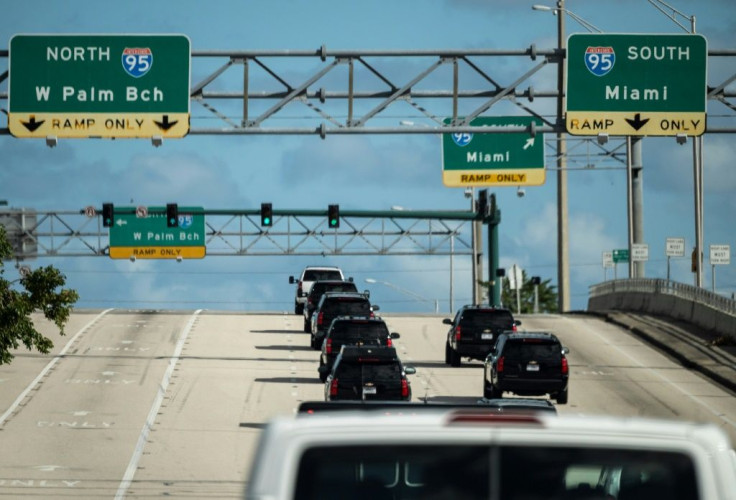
(238, 233)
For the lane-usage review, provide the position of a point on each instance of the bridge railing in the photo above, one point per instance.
(660, 286)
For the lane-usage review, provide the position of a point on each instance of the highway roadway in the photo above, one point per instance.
(151, 404)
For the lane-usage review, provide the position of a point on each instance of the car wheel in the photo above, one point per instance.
(562, 397)
(298, 308)
(454, 358)
(448, 353)
(488, 391)
(307, 326)
(322, 374)
(315, 344)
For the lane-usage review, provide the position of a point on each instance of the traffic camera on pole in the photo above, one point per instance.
(266, 215)
(172, 215)
(333, 216)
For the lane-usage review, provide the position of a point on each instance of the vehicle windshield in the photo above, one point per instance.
(321, 274)
(474, 472)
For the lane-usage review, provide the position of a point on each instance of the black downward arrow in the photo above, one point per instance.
(32, 124)
(165, 124)
(637, 122)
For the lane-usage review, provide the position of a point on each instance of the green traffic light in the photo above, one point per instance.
(333, 222)
(266, 221)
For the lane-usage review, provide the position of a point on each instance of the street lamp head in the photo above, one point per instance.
(541, 7)
(370, 280)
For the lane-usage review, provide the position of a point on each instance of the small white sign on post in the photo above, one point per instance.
(639, 252)
(675, 247)
(720, 255)
(516, 280)
(608, 259)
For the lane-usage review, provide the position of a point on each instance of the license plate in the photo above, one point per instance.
(369, 390)
(486, 336)
(532, 368)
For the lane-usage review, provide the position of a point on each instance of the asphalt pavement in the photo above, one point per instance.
(708, 353)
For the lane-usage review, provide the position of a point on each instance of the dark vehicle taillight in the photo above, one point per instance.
(499, 365)
(333, 387)
(328, 346)
(299, 288)
(389, 343)
(565, 368)
(404, 388)
(320, 318)
(458, 332)
(513, 328)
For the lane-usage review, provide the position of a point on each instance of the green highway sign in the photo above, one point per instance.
(621, 255)
(494, 159)
(143, 233)
(636, 85)
(99, 85)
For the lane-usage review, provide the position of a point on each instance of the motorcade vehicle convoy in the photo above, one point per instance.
(474, 330)
(309, 275)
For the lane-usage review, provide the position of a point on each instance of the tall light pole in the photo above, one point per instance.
(563, 250)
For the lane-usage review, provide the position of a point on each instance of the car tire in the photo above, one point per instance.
(298, 308)
(454, 358)
(488, 391)
(561, 397)
(315, 344)
(448, 350)
(307, 326)
(322, 375)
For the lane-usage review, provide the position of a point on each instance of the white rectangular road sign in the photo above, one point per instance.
(608, 259)
(639, 252)
(675, 247)
(720, 255)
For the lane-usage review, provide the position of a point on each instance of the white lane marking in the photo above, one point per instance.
(148, 425)
(48, 367)
(654, 371)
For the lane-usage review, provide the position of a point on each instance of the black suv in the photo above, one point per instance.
(475, 330)
(352, 330)
(367, 373)
(527, 364)
(318, 289)
(334, 304)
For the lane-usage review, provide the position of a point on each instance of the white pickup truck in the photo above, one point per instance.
(309, 275)
(482, 454)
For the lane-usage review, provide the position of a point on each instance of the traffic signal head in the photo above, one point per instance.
(172, 215)
(266, 215)
(333, 216)
(108, 215)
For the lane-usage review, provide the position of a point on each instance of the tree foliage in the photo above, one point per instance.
(547, 296)
(41, 291)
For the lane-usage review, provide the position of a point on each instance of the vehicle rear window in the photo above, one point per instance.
(405, 471)
(372, 371)
(540, 350)
(325, 274)
(348, 307)
(336, 287)
(355, 331)
(486, 319)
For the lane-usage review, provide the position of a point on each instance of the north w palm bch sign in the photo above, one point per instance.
(99, 86)
(636, 85)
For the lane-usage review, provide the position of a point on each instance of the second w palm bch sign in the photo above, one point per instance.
(494, 159)
(99, 86)
(637, 85)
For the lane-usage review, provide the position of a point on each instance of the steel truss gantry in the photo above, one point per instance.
(238, 233)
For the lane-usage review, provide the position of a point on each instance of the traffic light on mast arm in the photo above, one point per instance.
(333, 216)
(172, 215)
(266, 214)
(108, 214)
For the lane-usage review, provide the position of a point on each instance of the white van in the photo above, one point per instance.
(481, 454)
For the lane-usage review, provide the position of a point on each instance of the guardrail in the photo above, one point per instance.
(694, 305)
(660, 286)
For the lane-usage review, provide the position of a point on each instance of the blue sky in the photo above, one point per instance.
(360, 172)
